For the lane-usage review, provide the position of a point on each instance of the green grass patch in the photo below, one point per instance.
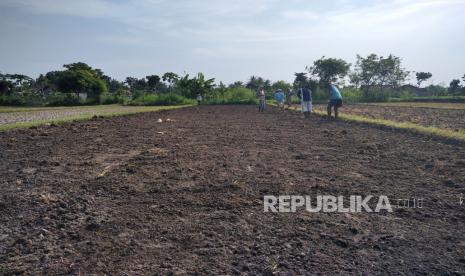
(10, 109)
(415, 128)
(161, 99)
(232, 102)
(405, 126)
(84, 117)
(231, 96)
(423, 105)
(458, 98)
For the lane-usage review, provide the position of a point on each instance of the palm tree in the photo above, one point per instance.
(236, 84)
(253, 83)
(200, 85)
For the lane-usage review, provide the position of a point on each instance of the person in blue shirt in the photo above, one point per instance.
(279, 97)
(305, 95)
(335, 100)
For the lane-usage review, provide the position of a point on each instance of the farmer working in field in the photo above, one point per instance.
(305, 95)
(289, 95)
(279, 97)
(261, 99)
(199, 99)
(335, 100)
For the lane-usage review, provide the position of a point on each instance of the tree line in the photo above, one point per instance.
(79, 80)
(372, 74)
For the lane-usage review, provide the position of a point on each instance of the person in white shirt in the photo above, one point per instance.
(261, 99)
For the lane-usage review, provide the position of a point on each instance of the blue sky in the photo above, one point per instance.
(229, 40)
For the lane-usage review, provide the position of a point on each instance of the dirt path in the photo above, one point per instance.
(42, 114)
(131, 195)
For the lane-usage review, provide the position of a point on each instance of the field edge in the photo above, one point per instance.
(404, 126)
(86, 117)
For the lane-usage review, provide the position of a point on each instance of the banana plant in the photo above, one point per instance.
(202, 86)
(197, 85)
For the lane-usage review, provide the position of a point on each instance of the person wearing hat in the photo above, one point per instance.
(279, 97)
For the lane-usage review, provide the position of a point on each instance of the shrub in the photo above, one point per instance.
(161, 99)
(11, 100)
(235, 95)
(123, 100)
(108, 99)
(376, 96)
(29, 98)
(406, 96)
(57, 99)
(351, 95)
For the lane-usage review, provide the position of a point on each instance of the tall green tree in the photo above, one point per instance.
(81, 81)
(366, 72)
(11, 83)
(80, 78)
(267, 85)
(102, 76)
(254, 83)
(152, 82)
(131, 82)
(6, 85)
(300, 80)
(115, 86)
(463, 87)
(329, 69)
(136, 84)
(377, 71)
(79, 66)
(422, 76)
(281, 85)
(454, 86)
(355, 79)
(391, 73)
(20, 79)
(48, 82)
(171, 78)
(141, 84)
(236, 84)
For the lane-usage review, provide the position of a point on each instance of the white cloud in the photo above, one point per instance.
(301, 15)
(83, 8)
(293, 30)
